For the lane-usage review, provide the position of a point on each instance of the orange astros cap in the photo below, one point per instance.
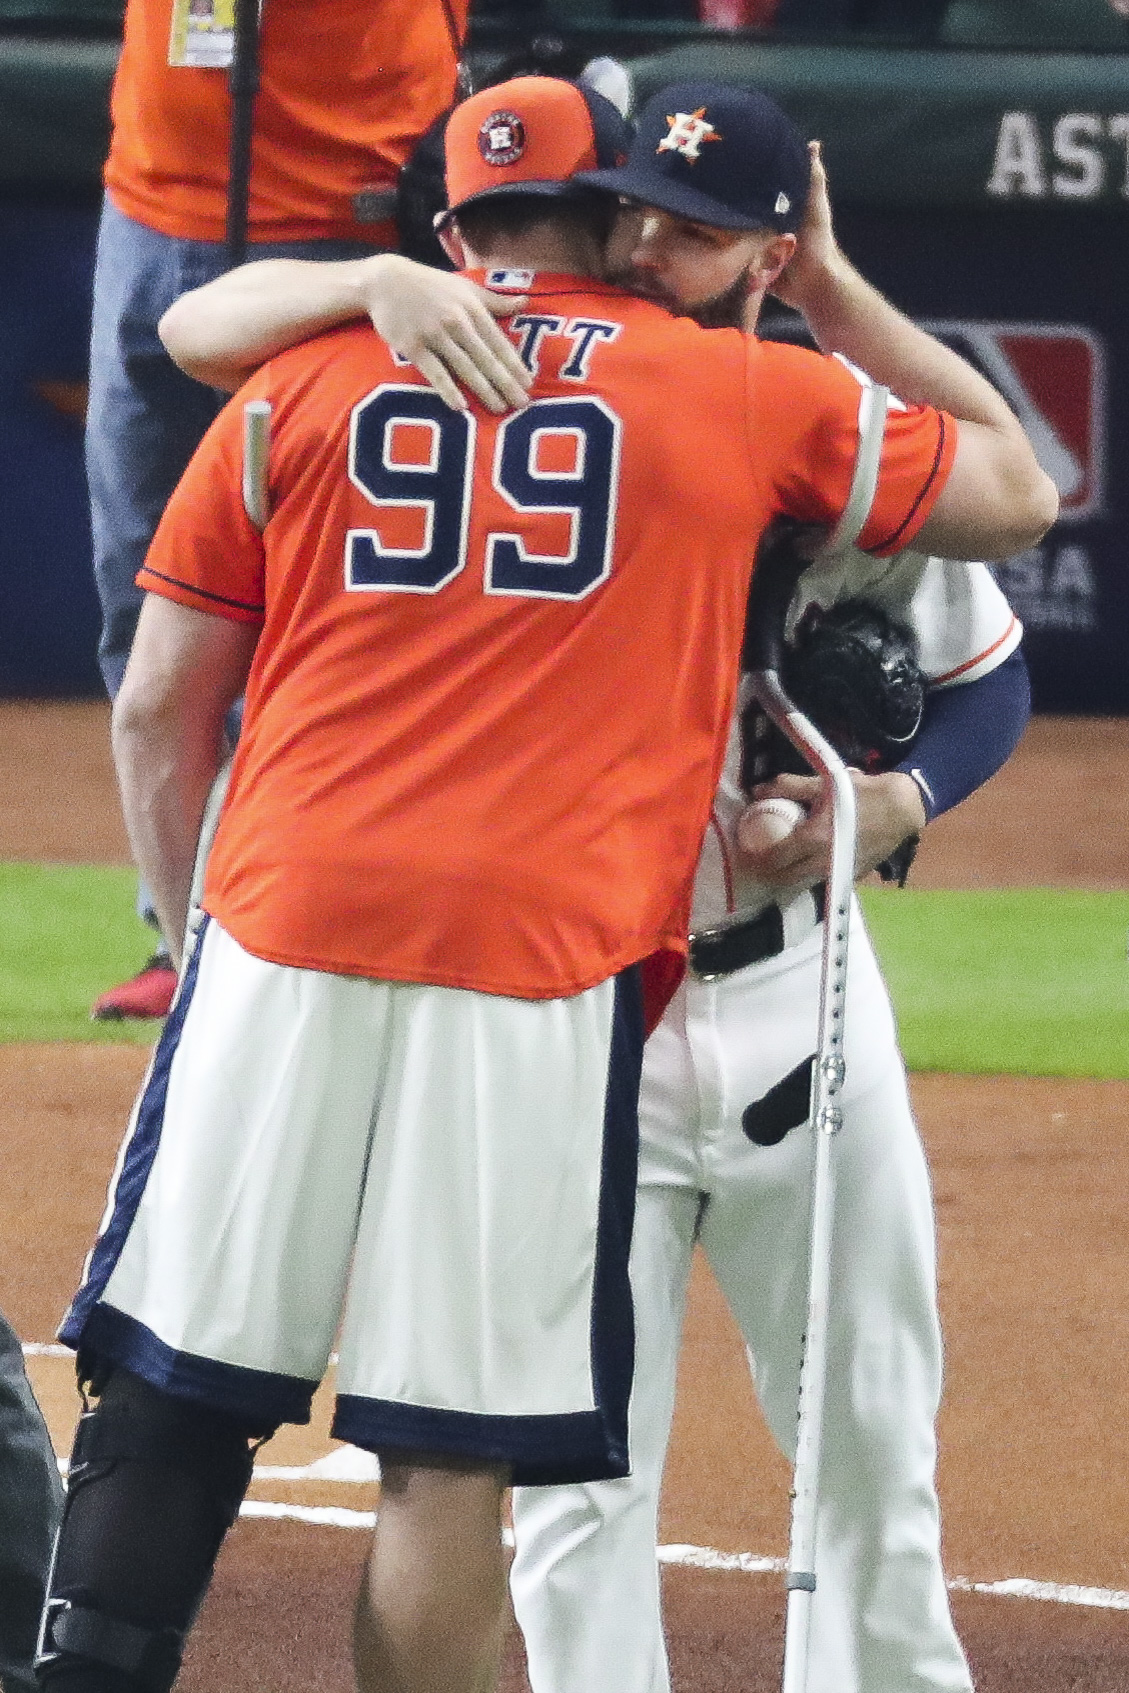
(530, 136)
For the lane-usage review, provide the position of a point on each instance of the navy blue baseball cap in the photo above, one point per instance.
(715, 154)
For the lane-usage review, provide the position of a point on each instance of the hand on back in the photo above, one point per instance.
(444, 324)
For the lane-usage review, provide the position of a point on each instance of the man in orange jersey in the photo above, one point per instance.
(346, 87)
(584, 1579)
(489, 665)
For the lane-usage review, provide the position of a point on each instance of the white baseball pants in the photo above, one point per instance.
(585, 1580)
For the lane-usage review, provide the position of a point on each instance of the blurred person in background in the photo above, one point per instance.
(325, 154)
(31, 1503)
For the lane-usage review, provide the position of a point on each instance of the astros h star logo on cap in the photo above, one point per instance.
(501, 140)
(687, 133)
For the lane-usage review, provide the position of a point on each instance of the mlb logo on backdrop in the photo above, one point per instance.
(1054, 378)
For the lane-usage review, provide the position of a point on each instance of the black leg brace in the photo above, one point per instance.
(155, 1484)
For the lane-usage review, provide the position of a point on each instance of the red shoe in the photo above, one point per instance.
(148, 994)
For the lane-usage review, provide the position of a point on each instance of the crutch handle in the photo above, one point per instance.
(256, 461)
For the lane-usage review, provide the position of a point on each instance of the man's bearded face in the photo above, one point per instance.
(692, 269)
(725, 310)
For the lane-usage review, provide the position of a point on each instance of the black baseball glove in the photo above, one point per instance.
(853, 670)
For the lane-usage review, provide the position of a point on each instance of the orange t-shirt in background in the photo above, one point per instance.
(347, 87)
(486, 715)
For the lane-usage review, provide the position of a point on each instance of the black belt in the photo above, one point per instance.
(733, 946)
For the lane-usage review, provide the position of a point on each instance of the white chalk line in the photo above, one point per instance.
(1018, 1587)
(349, 1464)
(709, 1558)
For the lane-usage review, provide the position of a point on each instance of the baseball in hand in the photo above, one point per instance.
(767, 821)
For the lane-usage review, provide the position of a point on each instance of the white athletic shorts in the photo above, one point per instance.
(443, 1179)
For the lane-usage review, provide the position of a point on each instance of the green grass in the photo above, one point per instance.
(1024, 981)
(66, 934)
(1027, 981)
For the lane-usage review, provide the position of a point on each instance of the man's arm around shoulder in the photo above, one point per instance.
(443, 324)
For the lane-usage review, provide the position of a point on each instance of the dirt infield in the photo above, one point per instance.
(1030, 1180)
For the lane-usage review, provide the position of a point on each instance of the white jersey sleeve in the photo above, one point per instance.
(963, 625)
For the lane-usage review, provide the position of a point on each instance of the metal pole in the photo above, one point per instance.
(774, 583)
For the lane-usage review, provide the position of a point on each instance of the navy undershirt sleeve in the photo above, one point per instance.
(967, 733)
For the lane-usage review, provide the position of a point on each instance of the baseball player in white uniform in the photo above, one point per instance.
(585, 1579)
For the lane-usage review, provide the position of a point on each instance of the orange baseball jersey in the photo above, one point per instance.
(487, 711)
(347, 86)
